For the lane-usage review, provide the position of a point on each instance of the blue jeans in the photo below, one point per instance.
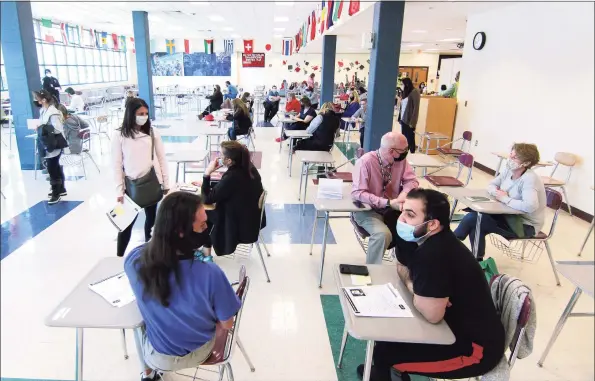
(229, 96)
(490, 223)
(231, 132)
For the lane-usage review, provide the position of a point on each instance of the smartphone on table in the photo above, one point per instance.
(353, 269)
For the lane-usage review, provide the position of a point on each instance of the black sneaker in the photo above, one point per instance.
(374, 376)
(154, 376)
(54, 200)
(62, 194)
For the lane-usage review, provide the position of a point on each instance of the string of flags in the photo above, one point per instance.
(68, 34)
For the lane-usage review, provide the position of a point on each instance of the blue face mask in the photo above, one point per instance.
(407, 232)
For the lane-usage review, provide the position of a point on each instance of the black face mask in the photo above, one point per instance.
(36, 104)
(187, 245)
(402, 156)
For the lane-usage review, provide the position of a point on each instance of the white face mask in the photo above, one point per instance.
(141, 119)
(513, 165)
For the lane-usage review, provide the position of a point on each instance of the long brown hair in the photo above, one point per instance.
(240, 106)
(238, 154)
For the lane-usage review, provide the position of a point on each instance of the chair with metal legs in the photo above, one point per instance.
(529, 249)
(587, 236)
(78, 159)
(226, 340)
(246, 249)
(567, 160)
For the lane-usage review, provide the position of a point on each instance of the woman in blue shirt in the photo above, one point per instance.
(351, 108)
(181, 300)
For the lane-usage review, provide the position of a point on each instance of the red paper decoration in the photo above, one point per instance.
(267, 47)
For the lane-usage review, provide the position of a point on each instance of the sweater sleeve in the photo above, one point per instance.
(314, 124)
(160, 153)
(529, 201)
(118, 158)
(495, 184)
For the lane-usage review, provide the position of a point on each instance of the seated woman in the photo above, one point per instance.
(323, 129)
(351, 108)
(73, 124)
(307, 114)
(241, 120)
(236, 218)
(77, 104)
(292, 104)
(518, 187)
(216, 101)
(170, 286)
(248, 101)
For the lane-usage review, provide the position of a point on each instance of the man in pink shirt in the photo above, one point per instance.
(382, 180)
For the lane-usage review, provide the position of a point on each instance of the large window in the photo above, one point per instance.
(79, 61)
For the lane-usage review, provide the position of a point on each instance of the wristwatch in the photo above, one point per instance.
(388, 202)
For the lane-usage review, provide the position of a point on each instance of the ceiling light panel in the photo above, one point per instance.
(216, 18)
(281, 19)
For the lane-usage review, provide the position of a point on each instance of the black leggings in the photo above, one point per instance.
(410, 135)
(270, 110)
(124, 236)
(459, 360)
(56, 173)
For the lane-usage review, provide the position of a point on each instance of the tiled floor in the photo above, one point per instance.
(283, 326)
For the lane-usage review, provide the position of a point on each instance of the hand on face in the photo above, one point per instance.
(213, 166)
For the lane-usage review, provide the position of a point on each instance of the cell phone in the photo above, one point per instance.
(358, 204)
(353, 269)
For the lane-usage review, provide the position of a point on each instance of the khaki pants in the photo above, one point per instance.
(380, 235)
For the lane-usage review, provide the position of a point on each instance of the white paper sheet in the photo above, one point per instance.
(32, 124)
(115, 290)
(377, 301)
(361, 280)
(331, 189)
(123, 214)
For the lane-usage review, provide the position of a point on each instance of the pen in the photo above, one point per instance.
(350, 302)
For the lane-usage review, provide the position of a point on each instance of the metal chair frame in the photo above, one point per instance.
(85, 152)
(562, 186)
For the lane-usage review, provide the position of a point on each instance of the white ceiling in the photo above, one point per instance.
(425, 23)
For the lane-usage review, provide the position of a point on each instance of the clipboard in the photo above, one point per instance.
(123, 214)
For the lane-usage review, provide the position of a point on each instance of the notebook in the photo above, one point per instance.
(115, 290)
(123, 214)
(377, 301)
(330, 189)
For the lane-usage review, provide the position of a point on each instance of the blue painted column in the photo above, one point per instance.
(329, 50)
(22, 72)
(384, 68)
(142, 43)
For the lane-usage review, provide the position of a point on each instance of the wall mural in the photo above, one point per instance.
(191, 64)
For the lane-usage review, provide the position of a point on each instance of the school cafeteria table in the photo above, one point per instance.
(186, 156)
(309, 158)
(327, 206)
(581, 274)
(428, 137)
(351, 122)
(283, 120)
(486, 207)
(83, 308)
(424, 161)
(294, 135)
(504, 156)
(210, 132)
(402, 330)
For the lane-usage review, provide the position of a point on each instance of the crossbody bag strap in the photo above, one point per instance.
(152, 145)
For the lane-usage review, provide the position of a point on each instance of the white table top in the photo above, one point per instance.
(344, 205)
(495, 207)
(506, 155)
(432, 135)
(187, 156)
(421, 160)
(286, 120)
(350, 120)
(407, 330)
(314, 157)
(212, 131)
(297, 134)
(83, 308)
(580, 273)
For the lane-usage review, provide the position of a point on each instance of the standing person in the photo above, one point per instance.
(137, 149)
(49, 114)
(454, 88)
(409, 112)
(76, 100)
(51, 85)
(310, 80)
(363, 93)
(382, 179)
(170, 286)
(232, 91)
(216, 100)
(241, 120)
(307, 114)
(361, 114)
(271, 105)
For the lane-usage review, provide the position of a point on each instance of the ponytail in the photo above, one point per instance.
(239, 154)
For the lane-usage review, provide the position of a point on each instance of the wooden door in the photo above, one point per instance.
(419, 75)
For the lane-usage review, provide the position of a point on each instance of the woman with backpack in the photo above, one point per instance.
(50, 121)
(140, 166)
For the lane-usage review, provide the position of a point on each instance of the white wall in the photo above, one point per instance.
(532, 82)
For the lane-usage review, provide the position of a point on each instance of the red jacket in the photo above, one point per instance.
(293, 105)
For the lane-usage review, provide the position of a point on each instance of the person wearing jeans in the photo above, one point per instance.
(382, 179)
(49, 114)
(519, 187)
(131, 150)
(409, 112)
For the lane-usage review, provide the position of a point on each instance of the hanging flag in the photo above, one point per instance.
(132, 45)
(209, 46)
(123, 43)
(47, 32)
(287, 45)
(187, 46)
(46, 23)
(80, 32)
(63, 33)
(228, 44)
(313, 26)
(329, 14)
(337, 8)
(104, 39)
(170, 45)
(322, 18)
(116, 40)
(353, 7)
(248, 46)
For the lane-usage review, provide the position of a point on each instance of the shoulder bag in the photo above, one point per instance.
(146, 190)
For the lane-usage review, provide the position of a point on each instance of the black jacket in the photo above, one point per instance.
(237, 215)
(216, 101)
(241, 122)
(324, 136)
(51, 84)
